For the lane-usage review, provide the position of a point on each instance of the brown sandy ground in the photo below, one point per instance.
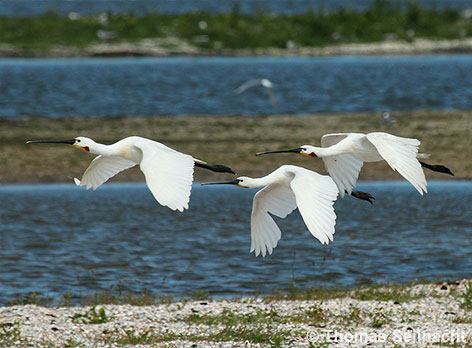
(229, 140)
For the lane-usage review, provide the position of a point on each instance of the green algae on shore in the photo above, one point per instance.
(227, 33)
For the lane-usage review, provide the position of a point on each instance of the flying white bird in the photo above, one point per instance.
(168, 173)
(285, 189)
(344, 154)
(387, 119)
(259, 82)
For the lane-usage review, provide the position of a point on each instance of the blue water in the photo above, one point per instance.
(35, 7)
(191, 86)
(59, 239)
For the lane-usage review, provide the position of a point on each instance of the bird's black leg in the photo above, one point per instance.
(215, 168)
(365, 196)
(437, 168)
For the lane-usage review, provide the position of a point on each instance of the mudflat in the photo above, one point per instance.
(228, 140)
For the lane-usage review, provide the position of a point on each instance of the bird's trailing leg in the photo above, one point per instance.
(215, 168)
(437, 168)
(365, 196)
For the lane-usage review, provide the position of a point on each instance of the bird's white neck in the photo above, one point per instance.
(322, 151)
(104, 150)
(256, 182)
(279, 176)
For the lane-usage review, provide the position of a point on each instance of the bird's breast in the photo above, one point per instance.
(132, 154)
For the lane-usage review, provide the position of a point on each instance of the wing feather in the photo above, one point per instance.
(328, 140)
(400, 153)
(344, 169)
(265, 234)
(101, 169)
(168, 173)
(247, 85)
(315, 195)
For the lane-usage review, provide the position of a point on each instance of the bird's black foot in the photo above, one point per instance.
(437, 168)
(365, 196)
(218, 168)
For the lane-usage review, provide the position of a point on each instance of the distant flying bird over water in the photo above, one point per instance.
(168, 173)
(259, 82)
(285, 189)
(344, 154)
(387, 119)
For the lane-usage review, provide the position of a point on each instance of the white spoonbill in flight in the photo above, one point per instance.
(344, 154)
(259, 82)
(285, 189)
(168, 173)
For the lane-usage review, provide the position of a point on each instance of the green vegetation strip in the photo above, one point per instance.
(235, 30)
(228, 140)
(400, 293)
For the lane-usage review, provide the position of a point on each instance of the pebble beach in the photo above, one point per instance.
(421, 315)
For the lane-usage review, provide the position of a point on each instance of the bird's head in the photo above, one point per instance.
(242, 181)
(267, 83)
(308, 151)
(82, 143)
(305, 150)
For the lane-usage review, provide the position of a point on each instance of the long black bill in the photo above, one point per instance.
(230, 182)
(69, 142)
(218, 168)
(297, 150)
(437, 168)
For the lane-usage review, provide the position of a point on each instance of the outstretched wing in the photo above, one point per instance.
(328, 140)
(101, 169)
(315, 195)
(168, 173)
(400, 153)
(247, 85)
(344, 169)
(265, 234)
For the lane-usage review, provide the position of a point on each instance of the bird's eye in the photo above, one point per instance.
(78, 140)
(303, 149)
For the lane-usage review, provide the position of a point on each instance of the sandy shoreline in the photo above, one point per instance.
(422, 315)
(165, 47)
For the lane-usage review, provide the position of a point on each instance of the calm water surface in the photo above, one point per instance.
(59, 238)
(190, 86)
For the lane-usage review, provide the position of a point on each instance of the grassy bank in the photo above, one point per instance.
(211, 33)
(229, 140)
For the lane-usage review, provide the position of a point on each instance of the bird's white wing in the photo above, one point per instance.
(247, 85)
(101, 169)
(168, 173)
(344, 169)
(315, 195)
(328, 140)
(400, 153)
(265, 234)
